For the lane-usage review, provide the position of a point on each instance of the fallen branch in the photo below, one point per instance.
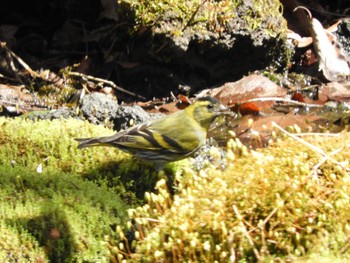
(318, 134)
(108, 82)
(19, 60)
(324, 159)
(310, 146)
(284, 100)
(246, 233)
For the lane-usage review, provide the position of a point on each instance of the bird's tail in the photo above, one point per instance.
(88, 142)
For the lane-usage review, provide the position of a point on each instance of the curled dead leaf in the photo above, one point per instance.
(331, 58)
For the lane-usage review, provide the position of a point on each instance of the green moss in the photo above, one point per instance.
(284, 202)
(67, 216)
(18, 246)
(60, 203)
(174, 17)
(52, 144)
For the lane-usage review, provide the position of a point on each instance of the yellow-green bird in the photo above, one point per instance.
(171, 138)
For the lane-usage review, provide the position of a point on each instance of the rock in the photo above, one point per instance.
(201, 44)
(98, 108)
(128, 116)
(61, 113)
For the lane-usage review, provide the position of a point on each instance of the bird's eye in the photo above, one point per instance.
(210, 106)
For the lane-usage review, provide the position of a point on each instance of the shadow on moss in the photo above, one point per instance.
(68, 209)
(52, 230)
(66, 216)
(130, 178)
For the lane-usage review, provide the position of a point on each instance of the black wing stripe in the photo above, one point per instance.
(173, 143)
(148, 135)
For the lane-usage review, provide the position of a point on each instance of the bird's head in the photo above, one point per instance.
(205, 110)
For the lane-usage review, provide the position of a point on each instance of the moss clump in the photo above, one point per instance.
(212, 21)
(204, 17)
(16, 246)
(60, 214)
(51, 144)
(59, 203)
(287, 202)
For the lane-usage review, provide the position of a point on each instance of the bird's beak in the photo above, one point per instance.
(223, 110)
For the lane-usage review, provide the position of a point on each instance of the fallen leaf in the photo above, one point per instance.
(336, 91)
(250, 87)
(331, 59)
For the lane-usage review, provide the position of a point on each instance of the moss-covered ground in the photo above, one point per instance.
(287, 202)
(59, 203)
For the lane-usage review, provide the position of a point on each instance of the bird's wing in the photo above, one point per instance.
(148, 138)
(163, 135)
(173, 134)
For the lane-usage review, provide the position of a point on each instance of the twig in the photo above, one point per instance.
(245, 232)
(231, 237)
(267, 219)
(346, 247)
(262, 227)
(284, 100)
(305, 9)
(9, 60)
(324, 159)
(21, 105)
(111, 83)
(20, 61)
(309, 145)
(148, 219)
(318, 134)
(194, 15)
(15, 78)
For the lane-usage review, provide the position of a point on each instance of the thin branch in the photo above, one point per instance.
(10, 102)
(284, 100)
(318, 134)
(267, 219)
(108, 82)
(309, 145)
(246, 233)
(194, 15)
(324, 159)
(346, 247)
(20, 61)
(262, 229)
(149, 219)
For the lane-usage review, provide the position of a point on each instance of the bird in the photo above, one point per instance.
(171, 138)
